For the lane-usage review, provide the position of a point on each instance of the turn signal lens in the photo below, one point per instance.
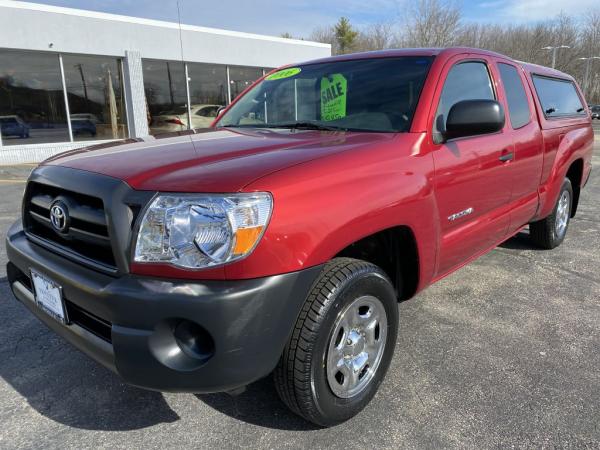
(246, 239)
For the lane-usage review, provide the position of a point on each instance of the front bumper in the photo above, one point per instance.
(127, 323)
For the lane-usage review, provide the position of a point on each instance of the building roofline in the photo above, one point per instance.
(150, 22)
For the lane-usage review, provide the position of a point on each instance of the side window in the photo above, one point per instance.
(516, 97)
(558, 97)
(465, 81)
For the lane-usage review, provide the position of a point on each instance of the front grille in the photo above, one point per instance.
(87, 235)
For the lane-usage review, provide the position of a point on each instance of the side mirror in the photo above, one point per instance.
(472, 118)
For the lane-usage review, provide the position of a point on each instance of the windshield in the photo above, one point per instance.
(378, 95)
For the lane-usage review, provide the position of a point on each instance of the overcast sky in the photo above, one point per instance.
(300, 17)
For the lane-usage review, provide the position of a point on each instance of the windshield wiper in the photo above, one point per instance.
(307, 125)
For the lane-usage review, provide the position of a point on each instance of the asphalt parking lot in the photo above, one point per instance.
(505, 352)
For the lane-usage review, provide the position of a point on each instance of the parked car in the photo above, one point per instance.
(13, 126)
(86, 116)
(281, 240)
(595, 112)
(83, 127)
(177, 120)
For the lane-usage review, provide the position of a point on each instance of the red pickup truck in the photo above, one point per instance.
(281, 239)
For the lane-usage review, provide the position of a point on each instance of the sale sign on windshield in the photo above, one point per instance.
(333, 97)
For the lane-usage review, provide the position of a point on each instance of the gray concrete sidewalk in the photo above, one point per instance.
(16, 173)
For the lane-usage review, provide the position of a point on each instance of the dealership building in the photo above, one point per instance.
(71, 78)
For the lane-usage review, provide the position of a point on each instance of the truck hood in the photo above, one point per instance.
(210, 161)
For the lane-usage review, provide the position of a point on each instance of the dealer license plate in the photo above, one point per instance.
(48, 296)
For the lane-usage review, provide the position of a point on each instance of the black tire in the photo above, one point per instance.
(300, 377)
(543, 233)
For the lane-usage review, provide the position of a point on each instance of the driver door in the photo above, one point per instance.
(472, 174)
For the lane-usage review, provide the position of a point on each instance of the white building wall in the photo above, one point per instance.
(134, 94)
(30, 153)
(41, 27)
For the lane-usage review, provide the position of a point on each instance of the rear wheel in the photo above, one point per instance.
(550, 232)
(342, 344)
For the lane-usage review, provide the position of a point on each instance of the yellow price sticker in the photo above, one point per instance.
(285, 73)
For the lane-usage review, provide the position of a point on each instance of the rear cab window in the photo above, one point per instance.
(558, 97)
(516, 96)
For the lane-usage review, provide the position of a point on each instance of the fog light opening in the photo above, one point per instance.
(181, 344)
(193, 340)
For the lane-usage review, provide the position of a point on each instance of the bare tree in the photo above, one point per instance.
(432, 23)
(326, 35)
(378, 36)
(438, 23)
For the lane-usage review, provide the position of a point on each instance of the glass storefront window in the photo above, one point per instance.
(242, 77)
(166, 96)
(32, 96)
(32, 103)
(208, 92)
(96, 100)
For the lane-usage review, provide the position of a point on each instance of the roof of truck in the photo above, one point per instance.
(543, 70)
(450, 51)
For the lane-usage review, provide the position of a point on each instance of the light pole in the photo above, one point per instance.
(554, 52)
(586, 77)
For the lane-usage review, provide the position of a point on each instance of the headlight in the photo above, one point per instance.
(197, 231)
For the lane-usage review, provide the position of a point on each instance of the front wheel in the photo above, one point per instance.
(342, 344)
(550, 232)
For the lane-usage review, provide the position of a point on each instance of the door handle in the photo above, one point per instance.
(505, 157)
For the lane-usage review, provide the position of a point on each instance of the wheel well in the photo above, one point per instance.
(575, 175)
(394, 250)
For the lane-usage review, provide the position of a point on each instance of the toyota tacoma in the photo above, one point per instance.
(281, 239)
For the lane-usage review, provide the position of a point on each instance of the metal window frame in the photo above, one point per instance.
(65, 95)
(124, 97)
(187, 95)
(228, 86)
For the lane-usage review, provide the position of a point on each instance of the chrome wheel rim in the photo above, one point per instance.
(356, 346)
(562, 214)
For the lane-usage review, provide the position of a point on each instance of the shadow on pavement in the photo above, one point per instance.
(66, 386)
(63, 384)
(520, 241)
(259, 405)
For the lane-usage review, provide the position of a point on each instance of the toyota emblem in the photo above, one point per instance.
(59, 216)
